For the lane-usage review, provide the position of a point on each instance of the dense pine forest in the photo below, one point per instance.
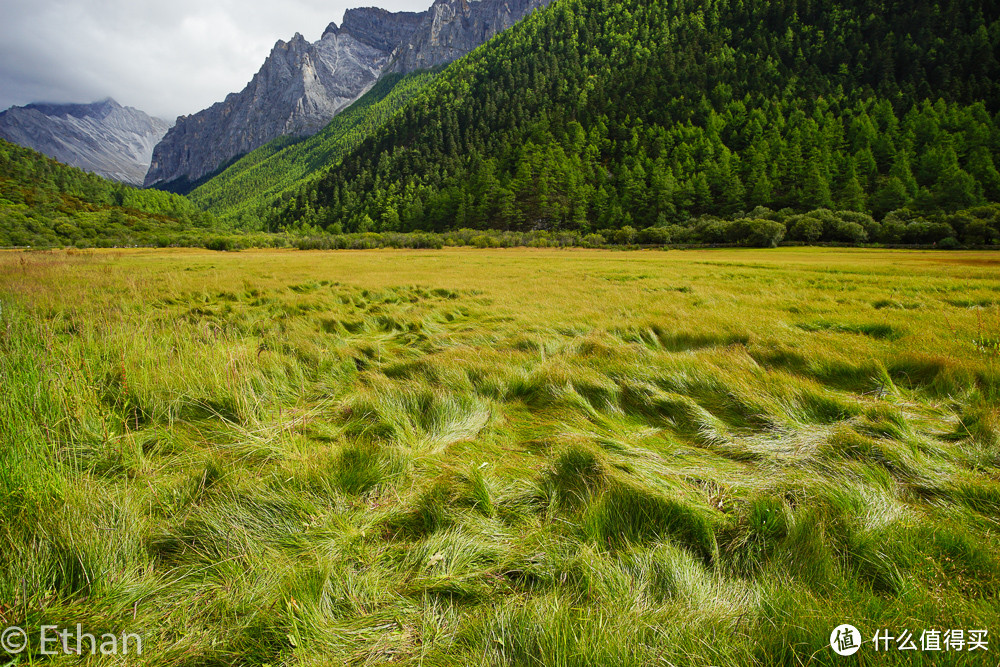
(45, 203)
(683, 121)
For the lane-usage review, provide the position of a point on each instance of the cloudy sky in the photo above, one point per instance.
(166, 58)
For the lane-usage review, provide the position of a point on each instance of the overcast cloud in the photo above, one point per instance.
(166, 58)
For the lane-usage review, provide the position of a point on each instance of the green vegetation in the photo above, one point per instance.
(500, 457)
(595, 116)
(45, 203)
(763, 228)
(243, 189)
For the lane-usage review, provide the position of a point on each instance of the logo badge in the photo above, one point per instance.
(845, 640)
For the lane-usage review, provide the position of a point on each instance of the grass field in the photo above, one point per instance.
(514, 457)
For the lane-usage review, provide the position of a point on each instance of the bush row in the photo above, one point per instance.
(761, 228)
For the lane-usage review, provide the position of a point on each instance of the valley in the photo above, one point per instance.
(518, 333)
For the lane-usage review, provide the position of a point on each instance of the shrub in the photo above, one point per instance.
(757, 233)
(713, 230)
(893, 229)
(922, 231)
(224, 244)
(863, 219)
(805, 228)
(829, 219)
(972, 231)
(624, 236)
(679, 234)
(484, 241)
(850, 232)
(654, 236)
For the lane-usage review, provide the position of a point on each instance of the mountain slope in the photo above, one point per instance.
(595, 115)
(46, 203)
(300, 87)
(260, 176)
(448, 30)
(104, 137)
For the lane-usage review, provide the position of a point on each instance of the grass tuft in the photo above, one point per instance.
(626, 515)
(574, 478)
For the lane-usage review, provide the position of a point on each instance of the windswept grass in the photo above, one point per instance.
(500, 457)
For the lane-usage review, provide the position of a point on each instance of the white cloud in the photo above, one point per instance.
(166, 58)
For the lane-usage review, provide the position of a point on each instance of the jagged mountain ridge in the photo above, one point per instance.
(299, 88)
(452, 28)
(302, 86)
(104, 138)
(378, 27)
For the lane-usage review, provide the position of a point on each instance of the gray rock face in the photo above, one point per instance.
(452, 28)
(300, 87)
(378, 27)
(104, 137)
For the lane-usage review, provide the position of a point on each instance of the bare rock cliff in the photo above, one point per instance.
(452, 28)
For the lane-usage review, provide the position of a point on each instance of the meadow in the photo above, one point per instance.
(500, 457)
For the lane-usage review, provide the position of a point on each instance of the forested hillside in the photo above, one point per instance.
(241, 191)
(46, 203)
(596, 115)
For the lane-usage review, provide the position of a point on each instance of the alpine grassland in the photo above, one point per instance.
(500, 457)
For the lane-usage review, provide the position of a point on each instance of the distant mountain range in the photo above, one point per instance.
(303, 85)
(104, 137)
(591, 117)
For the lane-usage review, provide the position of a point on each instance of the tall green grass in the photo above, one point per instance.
(431, 459)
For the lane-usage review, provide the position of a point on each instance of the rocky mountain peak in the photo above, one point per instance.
(379, 28)
(98, 109)
(301, 86)
(296, 92)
